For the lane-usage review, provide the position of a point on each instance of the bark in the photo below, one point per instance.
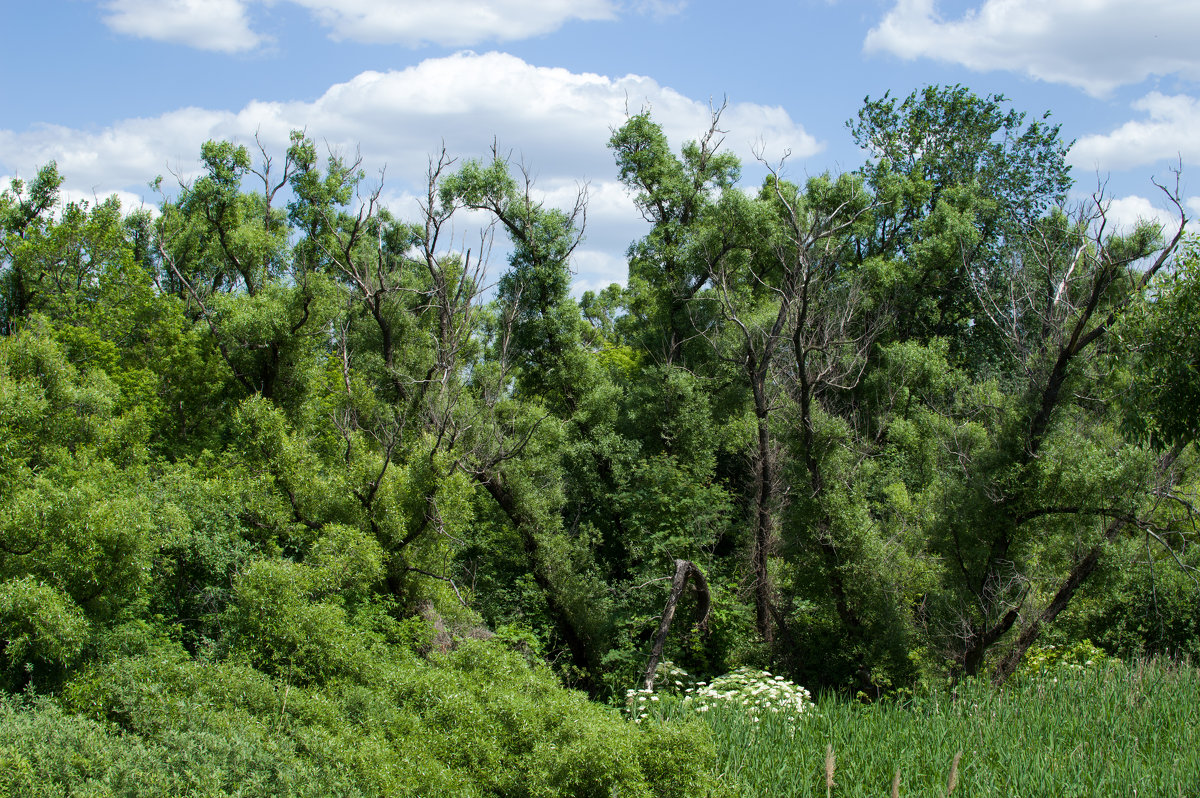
(985, 639)
(1075, 579)
(1078, 575)
(576, 641)
(683, 570)
(763, 520)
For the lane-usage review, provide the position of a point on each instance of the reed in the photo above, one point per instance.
(952, 782)
(1097, 733)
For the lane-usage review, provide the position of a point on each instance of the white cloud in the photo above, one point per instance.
(1124, 213)
(1168, 132)
(555, 121)
(125, 155)
(219, 25)
(451, 23)
(223, 25)
(597, 270)
(1095, 45)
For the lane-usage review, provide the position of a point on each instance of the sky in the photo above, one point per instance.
(118, 92)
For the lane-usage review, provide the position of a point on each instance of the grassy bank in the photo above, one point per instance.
(1115, 730)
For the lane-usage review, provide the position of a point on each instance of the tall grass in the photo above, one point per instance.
(1108, 731)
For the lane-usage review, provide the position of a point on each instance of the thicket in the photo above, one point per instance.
(292, 490)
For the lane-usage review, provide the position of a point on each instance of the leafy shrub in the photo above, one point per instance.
(275, 624)
(477, 720)
(1076, 657)
(679, 758)
(39, 626)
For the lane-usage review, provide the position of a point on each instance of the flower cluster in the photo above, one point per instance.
(669, 680)
(638, 703)
(757, 691)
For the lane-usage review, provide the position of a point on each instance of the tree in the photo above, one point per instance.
(542, 334)
(778, 289)
(23, 216)
(1056, 461)
(1162, 330)
(673, 194)
(225, 252)
(957, 178)
(536, 343)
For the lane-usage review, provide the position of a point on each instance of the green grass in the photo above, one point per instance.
(1107, 731)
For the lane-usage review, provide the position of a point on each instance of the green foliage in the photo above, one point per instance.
(475, 721)
(276, 623)
(1050, 659)
(956, 176)
(677, 194)
(40, 627)
(542, 324)
(1164, 331)
(1143, 603)
(24, 217)
(290, 505)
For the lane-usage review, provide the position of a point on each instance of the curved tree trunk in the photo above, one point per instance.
(1075, 579)
(576, 639)
(683, 570)
(1078, 575)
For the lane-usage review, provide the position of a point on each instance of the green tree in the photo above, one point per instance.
(226, 253)
(957, 178)
(674, 193)
(1056, 460)
(23, 217)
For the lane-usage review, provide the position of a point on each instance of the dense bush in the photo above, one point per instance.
(477, 720)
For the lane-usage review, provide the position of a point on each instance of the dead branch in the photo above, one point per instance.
(684, 569)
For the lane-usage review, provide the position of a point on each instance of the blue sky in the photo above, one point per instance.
(119, 91)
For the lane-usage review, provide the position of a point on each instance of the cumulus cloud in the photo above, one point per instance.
(1167, 133)
(554, 121)
(1095, 45)
(451, 23)
(220, 25)
(597, 269)
(223, 25)
(124, 156)
(1124, 213)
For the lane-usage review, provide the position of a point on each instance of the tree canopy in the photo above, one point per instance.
(895, 425)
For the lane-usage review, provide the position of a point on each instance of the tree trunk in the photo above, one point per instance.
(683, 570)
(1075, 579)
(1078, 575)
(576, 640)
(763, 529)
